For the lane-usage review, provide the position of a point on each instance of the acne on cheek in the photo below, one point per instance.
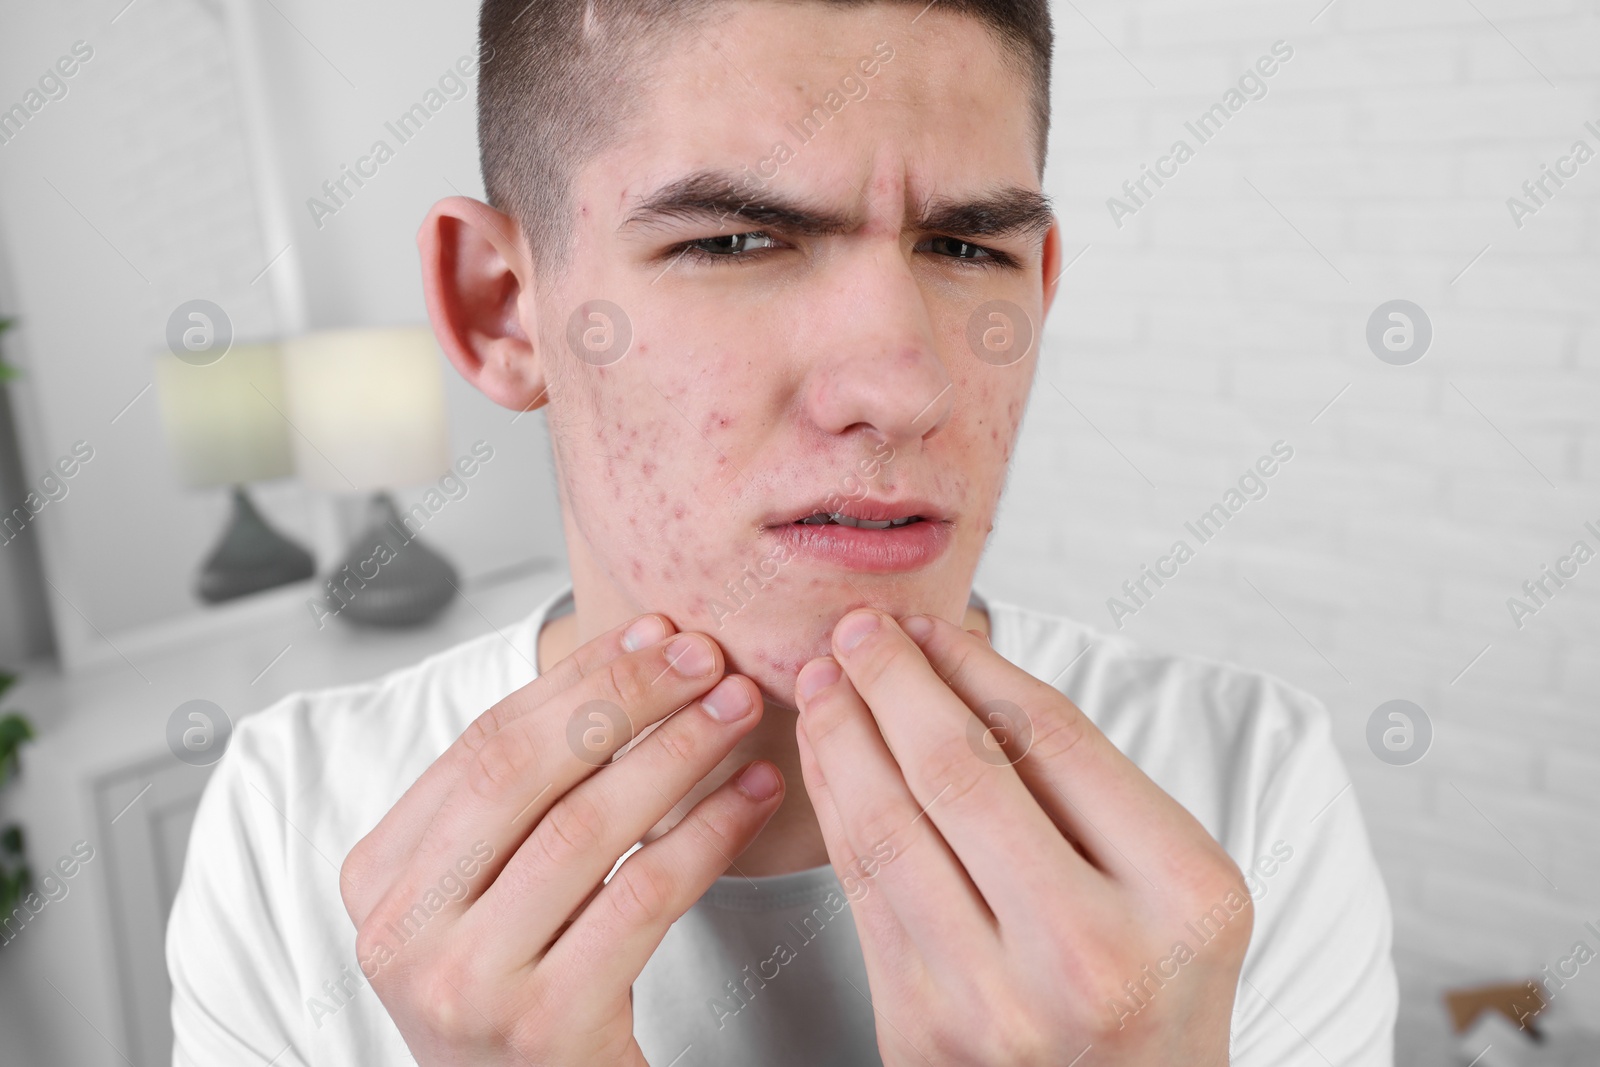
(1002, 431)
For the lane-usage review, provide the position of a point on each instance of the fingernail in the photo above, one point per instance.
(759, 781)
(815, 677)
(644, 633)
(728, 702)
(855, 628)
(920, 627)
(690, 656)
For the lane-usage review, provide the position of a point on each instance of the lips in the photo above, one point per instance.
(873, 536)
(839, 518)
(866, 513)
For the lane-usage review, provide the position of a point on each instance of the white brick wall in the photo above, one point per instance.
(1206, 328)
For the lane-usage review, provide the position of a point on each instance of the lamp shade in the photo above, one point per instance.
(224, 421)
(367, 407)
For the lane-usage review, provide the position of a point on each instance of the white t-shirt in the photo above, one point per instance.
(765, 970)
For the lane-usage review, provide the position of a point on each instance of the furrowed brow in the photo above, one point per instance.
(1007, 212)
(717, 196)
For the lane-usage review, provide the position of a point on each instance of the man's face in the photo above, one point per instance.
(810, 353)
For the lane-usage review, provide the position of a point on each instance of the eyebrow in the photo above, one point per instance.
(718, 196)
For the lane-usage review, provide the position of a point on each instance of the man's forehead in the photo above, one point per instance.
(834, 112)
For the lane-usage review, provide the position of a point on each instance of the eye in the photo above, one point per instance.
(956, 248)
(727, 247)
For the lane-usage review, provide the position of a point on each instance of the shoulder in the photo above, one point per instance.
(1223, 739)
(1127, 687)
(345, 752)
(299, 783)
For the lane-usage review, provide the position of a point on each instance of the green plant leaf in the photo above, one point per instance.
(8, 373)
(11, 840)
(14, 729)
(13, 887)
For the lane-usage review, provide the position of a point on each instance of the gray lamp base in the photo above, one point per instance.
(389, 578)
(251, 556)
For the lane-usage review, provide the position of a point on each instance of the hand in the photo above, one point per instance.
(1022, 907)
(483, 922)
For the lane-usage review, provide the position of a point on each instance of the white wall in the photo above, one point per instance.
(1379, 565)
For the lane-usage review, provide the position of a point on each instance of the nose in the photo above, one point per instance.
(880, 368)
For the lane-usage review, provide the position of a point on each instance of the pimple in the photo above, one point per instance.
(638, 570)
(678, 511)
(648, 469)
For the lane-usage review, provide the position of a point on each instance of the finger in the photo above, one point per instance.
(602, 953)
(519, 773)
(884, 940)
(979, 806)
(372, 865)
(922, 879)
(563, 861)
(1125, 823)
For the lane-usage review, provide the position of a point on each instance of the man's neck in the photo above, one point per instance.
(792, 840)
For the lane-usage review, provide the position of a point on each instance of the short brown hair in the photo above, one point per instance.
(564, 79)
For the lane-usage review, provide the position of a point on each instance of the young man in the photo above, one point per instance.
(775, 270)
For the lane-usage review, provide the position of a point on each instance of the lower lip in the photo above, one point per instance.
(903, 548)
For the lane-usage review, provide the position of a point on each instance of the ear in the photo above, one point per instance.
(1052, 265)
(476, 270)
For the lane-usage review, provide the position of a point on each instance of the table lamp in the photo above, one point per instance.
(224, 428)
(368, 406)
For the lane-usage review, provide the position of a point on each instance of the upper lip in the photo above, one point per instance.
(873, 510)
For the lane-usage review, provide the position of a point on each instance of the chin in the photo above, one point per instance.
(769, 642)
(788, 624)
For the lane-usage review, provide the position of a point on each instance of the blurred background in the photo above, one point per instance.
(1385, 254)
